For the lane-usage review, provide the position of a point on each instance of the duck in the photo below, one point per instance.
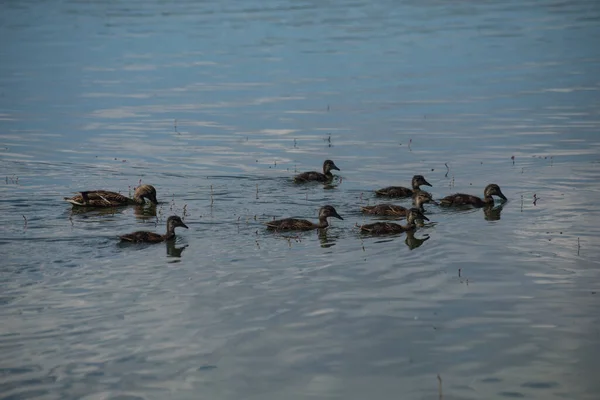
(104, 198)
(314, 176)
(461, 199)
(400, 191)
(173, 222)
(293, 224)
(383, 228)
(393, 210)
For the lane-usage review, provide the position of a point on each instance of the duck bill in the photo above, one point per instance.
(333, 166)
(338, 216)
(426, 183)
(423, 217)
(184, 226)
(502, 196)
(153, 200)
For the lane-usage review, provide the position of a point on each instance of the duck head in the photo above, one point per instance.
(422, 198)
(494, 190)
(174, 221)
(146, 192)
(328, 165)
(328, 211)
(419, 180)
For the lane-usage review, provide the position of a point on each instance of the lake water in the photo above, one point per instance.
(218, 104)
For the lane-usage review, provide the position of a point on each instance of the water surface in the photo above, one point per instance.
(218, 105)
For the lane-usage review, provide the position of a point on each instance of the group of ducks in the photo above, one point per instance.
(106, 199)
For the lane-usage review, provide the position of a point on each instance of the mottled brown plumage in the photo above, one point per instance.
(314, 176)
(104, 198)
(461, 199)
(151, 237)
(293, 224)
(393, 210)
(400, 191)
(382, 228)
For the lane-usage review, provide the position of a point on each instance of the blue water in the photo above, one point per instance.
(218, 105)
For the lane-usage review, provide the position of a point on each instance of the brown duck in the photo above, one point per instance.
(383, 228)
(400, 191)
(461, 199)
(314, 176)
(393, 210)
(104, 198)
(151, 237)
(293, 224)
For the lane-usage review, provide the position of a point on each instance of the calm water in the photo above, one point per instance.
(218, 104)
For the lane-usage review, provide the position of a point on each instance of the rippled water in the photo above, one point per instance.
(218, 104)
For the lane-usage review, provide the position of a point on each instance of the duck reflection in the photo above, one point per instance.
(492, 213)
(412, 241)
(327, 239)
(145, 211)
(174, 251)
(142, 211)
(87, 211)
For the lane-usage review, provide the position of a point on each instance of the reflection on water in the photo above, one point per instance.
(413, 242)
(219, 105)
(326, 238)
(493, 213)
(145, 212)
(174, 251)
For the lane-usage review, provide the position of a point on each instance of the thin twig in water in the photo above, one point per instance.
(409, 143)
(25, 226)
(440, 387)
(257, 191)
(578, 246)
(212, 200)
(447, 170)
(521, 203)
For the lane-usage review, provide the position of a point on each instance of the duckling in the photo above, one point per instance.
(104, 198)
(393, 210)
(314, 176)
(460, 199)
(400, 191)
(293, 224)
(382, 228)
(150, 237)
